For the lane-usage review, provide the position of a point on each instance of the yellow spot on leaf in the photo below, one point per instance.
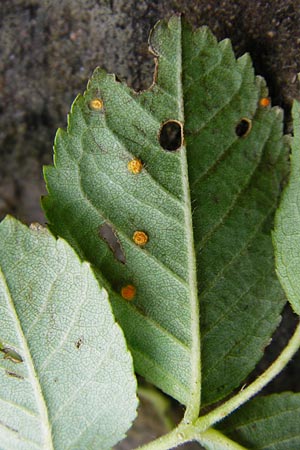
(128, 292)
(264, 102)
(135, 166)
(140, 238)
(96, 104)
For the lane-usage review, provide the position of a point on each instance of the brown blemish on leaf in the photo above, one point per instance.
(171, 135)
(79, 343)
(243, 128)
(14, 375)
(11, 354)
(155, 73)
(135, 166)
(128, 292)
(108, 234)
(140, 238)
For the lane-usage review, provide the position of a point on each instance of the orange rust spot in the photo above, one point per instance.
(128, 292)
(135, 166)
(264, 102)
(140, 238)
(96, 104)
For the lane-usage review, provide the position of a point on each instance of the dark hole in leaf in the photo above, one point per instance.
(243, 127)
(11, 354)
(108, 234)
(171, 135)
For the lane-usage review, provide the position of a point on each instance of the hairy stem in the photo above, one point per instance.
(168, 441)
(186, 433)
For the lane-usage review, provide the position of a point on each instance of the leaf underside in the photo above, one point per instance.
(266, 423)
(227, 184)
(66, 375)
(286, 235)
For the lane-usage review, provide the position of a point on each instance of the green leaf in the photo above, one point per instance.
(66, 375)
(206, 208)
(267, 423)
(286, 236)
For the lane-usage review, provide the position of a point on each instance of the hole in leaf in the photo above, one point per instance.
(171, 135)
(108, 234)
(243, 127)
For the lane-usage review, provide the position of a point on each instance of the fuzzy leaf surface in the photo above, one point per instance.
(266, 423)
(206, 208)
(286, 235)
(67, 379)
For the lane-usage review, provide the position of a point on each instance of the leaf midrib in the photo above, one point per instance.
(193, 406)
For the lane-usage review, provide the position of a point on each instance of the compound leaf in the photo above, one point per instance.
(67, 380)
(171, 184)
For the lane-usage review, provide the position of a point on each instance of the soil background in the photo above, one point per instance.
(48, 50)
